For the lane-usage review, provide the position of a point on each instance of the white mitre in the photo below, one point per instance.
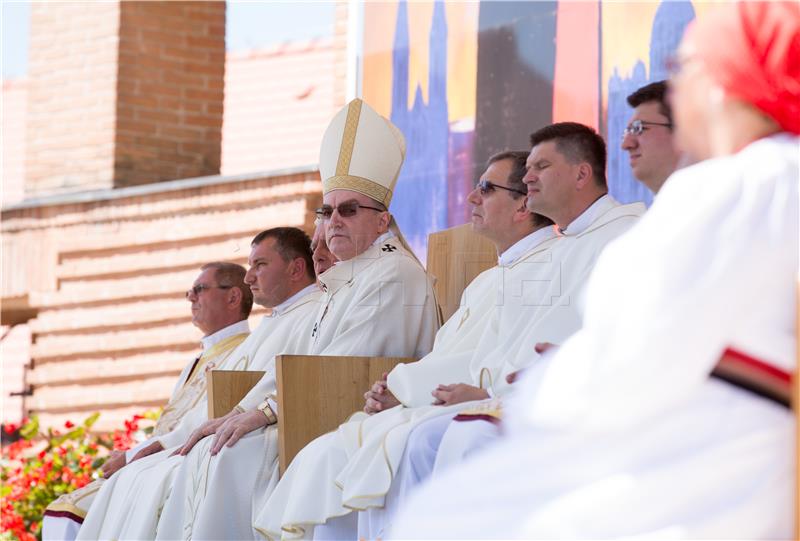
(363, 152)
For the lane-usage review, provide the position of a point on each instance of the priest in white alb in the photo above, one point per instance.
(667, 415)
(220, 305)
(281, 278)
(654, 157)
(352, 468)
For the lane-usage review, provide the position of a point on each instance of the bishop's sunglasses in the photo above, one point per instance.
(348, 209)
(486, 186)
(199, 288)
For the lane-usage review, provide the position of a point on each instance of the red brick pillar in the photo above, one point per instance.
(123, 93)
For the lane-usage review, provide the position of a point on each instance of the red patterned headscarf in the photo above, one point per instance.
(752, 50)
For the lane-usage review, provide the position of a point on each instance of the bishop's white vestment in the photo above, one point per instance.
(624, 432)
(129, 504)
(352, 467)
(64, 515)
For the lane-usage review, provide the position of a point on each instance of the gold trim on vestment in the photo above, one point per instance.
(348, 137)
(69, 508)
(362, 185)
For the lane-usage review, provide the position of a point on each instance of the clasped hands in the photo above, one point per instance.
(380, 398)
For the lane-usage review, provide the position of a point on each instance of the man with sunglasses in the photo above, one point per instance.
(648, 137)
(566, 177)
(281, 277)
(220, 304)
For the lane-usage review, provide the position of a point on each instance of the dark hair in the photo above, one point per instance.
(290, 243)
(578, 143)
(656, 92)
(519, 159)
(232, 275)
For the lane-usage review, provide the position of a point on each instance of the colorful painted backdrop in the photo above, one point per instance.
(466, 80)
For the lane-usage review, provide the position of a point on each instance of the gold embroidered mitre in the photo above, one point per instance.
(361, 151)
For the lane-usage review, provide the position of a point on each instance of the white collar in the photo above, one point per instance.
(588, 216)
(212, 340)
(383, 238)
(380, 240)
(282, 307)
(525, 244)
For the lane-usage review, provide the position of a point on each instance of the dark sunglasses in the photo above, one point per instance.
(486, 186)
(199, 288)
(346, 210)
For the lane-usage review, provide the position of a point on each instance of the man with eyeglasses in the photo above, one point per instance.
(565, 174)
(668, 414)
(220, 304)
(151, 499)
(648, 136)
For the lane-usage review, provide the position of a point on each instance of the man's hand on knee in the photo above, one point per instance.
(114, 463)
(206, 429)
(238, 426)
(151, 449)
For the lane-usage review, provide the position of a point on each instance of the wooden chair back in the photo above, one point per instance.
(317, 394)
(455, 257)
(226, 388)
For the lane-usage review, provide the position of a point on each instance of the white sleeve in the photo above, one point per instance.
(666, 299)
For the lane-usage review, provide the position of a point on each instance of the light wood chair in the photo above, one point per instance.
(318, 393)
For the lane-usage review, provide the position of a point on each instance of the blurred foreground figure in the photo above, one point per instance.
(667, 414)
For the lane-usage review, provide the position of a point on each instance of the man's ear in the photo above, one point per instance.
(235, 297)
(522, 213)
(584, 176)
(383, 223)
(297, 268)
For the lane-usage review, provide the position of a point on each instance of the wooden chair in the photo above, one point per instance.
(318, 393)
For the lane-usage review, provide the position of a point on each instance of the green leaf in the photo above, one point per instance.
(31, 428)
(89, 421)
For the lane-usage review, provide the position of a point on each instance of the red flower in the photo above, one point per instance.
(10, 428)
(68, 424)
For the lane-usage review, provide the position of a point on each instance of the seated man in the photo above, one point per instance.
(534, 293)
(668, 416)
(648, 136)
(281, 278)
(220, 305)
(377, 301)
(648, 140)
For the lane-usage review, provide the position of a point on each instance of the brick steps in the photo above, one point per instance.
(90, 395)
(112, 342)
(121, 366)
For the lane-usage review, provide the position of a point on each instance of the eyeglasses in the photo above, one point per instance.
(486, 186)
(637, 127)
(199, 288)
(346, 210)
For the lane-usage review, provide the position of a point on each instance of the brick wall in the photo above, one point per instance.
(169, 91)
(72, 74)
(15, 95)
(123, 93)
(114, 330)
(278, 103)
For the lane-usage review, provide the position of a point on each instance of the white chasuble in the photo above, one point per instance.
(379, 303)
(352, 467)
(622, 433)
(129, 504)
(189, 390)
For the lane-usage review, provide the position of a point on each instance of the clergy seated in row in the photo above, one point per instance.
(531, 296)
(440, 443)
(377, 301)
(220, 304)
(281, 278)
(667, 415)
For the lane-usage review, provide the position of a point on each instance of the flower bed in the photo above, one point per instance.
(41, 466)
